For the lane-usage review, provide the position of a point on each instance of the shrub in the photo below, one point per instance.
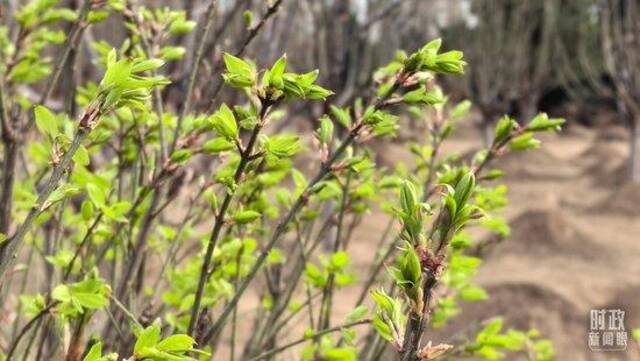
(114, 202)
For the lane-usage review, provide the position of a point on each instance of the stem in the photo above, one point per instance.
(157, 95)
(195, 65)
(375, 270)
(84, 241)
(9, 164)
(417, 321)
(27, 327)
(8, 249)
(245, 157)
(11, 147)
(327, 297)
(125, 311)
(304, 339)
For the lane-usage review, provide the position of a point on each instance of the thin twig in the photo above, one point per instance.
(8, 249)
(275, 351)
(193, 74)
(27, 327)
(245, 156)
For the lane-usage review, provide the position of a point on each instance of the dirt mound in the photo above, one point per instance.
(524, 306)
(607, 175)
(627, 300)
(545, 233)
(625, 199)
(612, 133)
(536, 164)
(604, 164)
(600, 152)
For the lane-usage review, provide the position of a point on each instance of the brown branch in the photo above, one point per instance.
(245, 159)
(8, 249)
(193, 74)
(275, 351)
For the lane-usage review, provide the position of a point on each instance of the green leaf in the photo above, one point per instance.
(523, 142)
(60, 193)
(46, 121)
(116, 74)
(316, 92)
(461, 109)
(170, 53)
(149, 337)
(410, 266)
(97, 195)
(117, 211)
(62, 258)
(421, 96)
(217, 145)
(86, 209)
(408, 198)
(81, 156)
(236, 65)
(283, 146)
(341, 115)
(504, 127)
(224, 123)
(493, 328)
(463, 189)
(181, 27)
(315, 276)
(90, 300)
(473, 293)
(339, 260)
(176, 343)
(240, 74)
(247, 16)
(276, 73)
(357, 314)
(146, 65)
(433, 46)
(244, 217)
(542, 122)
(61, 293)
(181, 156)
(325, 132)
(276, 256)
(95, 353)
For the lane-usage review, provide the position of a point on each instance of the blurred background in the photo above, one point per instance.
(574, 205)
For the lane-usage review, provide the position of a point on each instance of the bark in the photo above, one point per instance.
(634, 150)
(486, 126)
(8, 175)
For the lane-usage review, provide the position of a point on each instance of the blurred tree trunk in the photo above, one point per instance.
(508, 43)
(634, 149)
(620, 22)
(486, 124)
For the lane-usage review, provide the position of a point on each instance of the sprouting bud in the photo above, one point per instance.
(463, 189)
